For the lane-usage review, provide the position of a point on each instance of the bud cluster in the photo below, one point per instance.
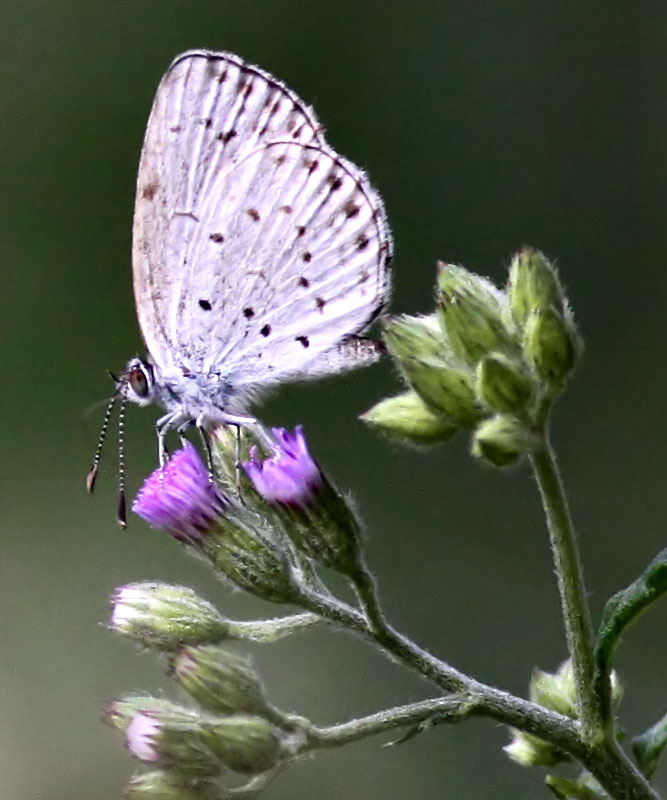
(233, 727)
(556, 692)
(487, 360)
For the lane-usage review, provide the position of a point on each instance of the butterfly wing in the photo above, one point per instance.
(210, 110)
(293, 261)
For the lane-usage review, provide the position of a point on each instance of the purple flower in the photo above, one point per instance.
(290, 477)
(181, 497)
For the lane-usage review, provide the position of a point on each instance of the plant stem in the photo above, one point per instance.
(569, 572)
(270, 630)
(605, 760)
(448, 709)
(487, 700)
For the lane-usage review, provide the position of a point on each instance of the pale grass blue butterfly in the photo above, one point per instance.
(259, 254)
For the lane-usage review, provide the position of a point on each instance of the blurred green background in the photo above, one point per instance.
(485, 126)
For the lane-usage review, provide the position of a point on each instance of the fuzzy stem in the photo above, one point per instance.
(569, 572)
(270, 630)
(449, 709)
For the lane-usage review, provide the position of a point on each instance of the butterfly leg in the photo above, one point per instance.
(207, 447)
(238, 422)
(163, 425)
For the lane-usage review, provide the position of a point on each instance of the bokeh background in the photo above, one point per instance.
(485, 126)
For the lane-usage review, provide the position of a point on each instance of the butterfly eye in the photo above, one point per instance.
(139, 382)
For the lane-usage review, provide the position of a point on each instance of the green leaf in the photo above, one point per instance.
(621, 610)
(649, 745)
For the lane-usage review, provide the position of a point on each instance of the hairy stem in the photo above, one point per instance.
(270, 630)
(486, 700)
(569, 572)
(448, 709)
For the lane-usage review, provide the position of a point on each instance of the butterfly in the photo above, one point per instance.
(259, 254)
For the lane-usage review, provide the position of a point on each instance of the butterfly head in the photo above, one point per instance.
(137, 382)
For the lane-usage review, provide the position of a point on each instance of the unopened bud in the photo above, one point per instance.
(471, 314)
(501, 440)
(119, 713)
(551, 346)
(219, 681)
(555, 691)
(502, 385)
(244, 550)
(533, 285)
(530, 751)
(164, 785)
(444, 388)
(171, 744)
(413, 337)
(164, 616)
(408, 419)
(245, 743)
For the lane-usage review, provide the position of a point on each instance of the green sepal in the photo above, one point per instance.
(413, 337)
(503, 385)
(169, 785)
(244, 743)
(501, 440)
(118, 713)
(648, 746)
(621, 611)
(533, 285)
(406, 418)
(446, 389)
(471, 314)
(531, 751)
(220, 681)
(245, 548)
(551, 345)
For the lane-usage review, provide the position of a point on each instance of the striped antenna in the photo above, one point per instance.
(92, 472)
(121, 515)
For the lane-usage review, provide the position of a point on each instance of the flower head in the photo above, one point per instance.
(181, 497)
(290, 477)
(140, 737)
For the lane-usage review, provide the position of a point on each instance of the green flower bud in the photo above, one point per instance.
(413, 337)
(246, 744)
(530, 751)
(533, 285)
(159, 785)
(502, 384)
(551, 346)
(171, 744)
(555, 691)
(501, 440)
(244, 549)
(219, 681)
(471, 314)
(444, 388)
(119, 713)
(164, 616)
(408, 419)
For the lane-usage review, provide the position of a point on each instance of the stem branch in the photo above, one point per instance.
(569, 572)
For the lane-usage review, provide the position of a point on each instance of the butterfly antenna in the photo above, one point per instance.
(92, 472)
(122, 508)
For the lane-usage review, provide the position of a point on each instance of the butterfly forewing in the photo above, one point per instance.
(209, 111)
(257, 249)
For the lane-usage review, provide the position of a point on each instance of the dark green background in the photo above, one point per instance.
(485, 125)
